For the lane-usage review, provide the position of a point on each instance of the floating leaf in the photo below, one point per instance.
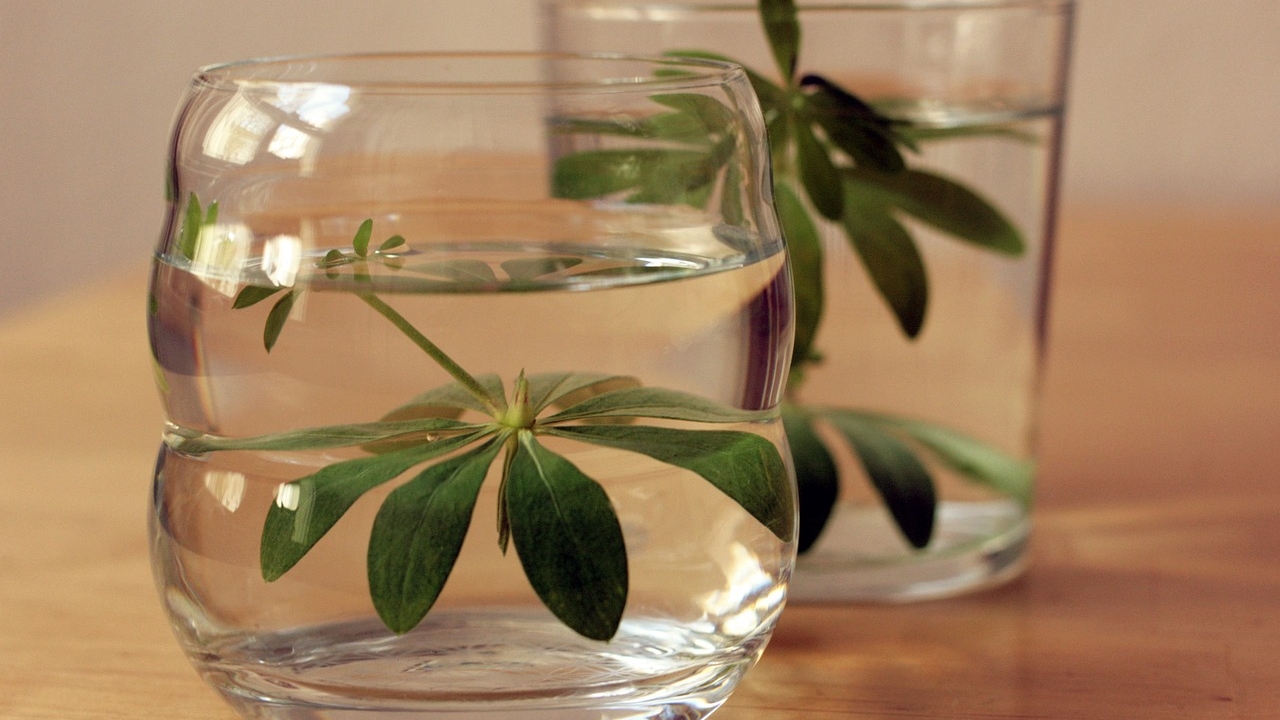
(418, 534)
(306, 509)
(891, 259)
(360, 243)
(901, 479)
(743, 465)
(942, 203)
(391, 243)
(568, 539)
(817, 479)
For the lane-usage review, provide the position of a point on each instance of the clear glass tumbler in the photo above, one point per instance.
(471, 410)
(916, 150)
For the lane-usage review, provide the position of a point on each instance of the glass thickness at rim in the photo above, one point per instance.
(474, 72)
(828, 5)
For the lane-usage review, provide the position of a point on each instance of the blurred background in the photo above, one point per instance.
(1172, 101)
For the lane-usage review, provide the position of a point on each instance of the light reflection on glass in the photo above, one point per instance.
(237, 132)
(226, 486)
(220, 253)
(281, 259)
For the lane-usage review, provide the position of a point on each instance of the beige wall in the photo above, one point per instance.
(1171, 99)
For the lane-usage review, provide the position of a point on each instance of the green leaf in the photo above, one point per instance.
(418, 534)
(596, 173)
(360, 243)
(440, 401)
(467, 271)
(677, 127)
(901, 479)
(277, 317)
(971, 458)
(804, 247)
(593, 174)
(316, 438)
(742, 465)
(818, 174)
(252, 295)
(653, 402)
(852, 125)
(189, 237)
(817, 480)
(531, 268)
(713, 115)
(782, 28)
(307, 508)
(568, 539)
(391, 243)
(546, 389)
(890, 257)
(731, 211)
(941, 202)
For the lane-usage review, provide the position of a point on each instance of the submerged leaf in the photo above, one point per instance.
(568, 539)
(306, 509)
(901, 479)
(252, 295)
(891, 259)
(317, 438)
(444, 400)
(742, 465)
(466, 271)
(817, 480)
(565, 388)
(418, 534)
(972, 458)
(652, 402)
(531, 268)
(277, 317)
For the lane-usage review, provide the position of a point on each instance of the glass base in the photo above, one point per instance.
(861, 556)
(472, 668)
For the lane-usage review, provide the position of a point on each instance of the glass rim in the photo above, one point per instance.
(803, 6)
(269, 72)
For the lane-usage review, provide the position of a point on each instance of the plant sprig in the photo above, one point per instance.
(841, 160)
(560, 520)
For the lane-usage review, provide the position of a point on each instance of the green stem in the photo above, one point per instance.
(472, 386)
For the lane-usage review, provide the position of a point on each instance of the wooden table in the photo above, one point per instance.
(1154, 586)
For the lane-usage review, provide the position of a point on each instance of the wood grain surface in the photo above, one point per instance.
(1153, 589)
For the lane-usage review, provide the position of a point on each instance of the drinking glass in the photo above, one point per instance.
(470, 411)
(922, 295)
